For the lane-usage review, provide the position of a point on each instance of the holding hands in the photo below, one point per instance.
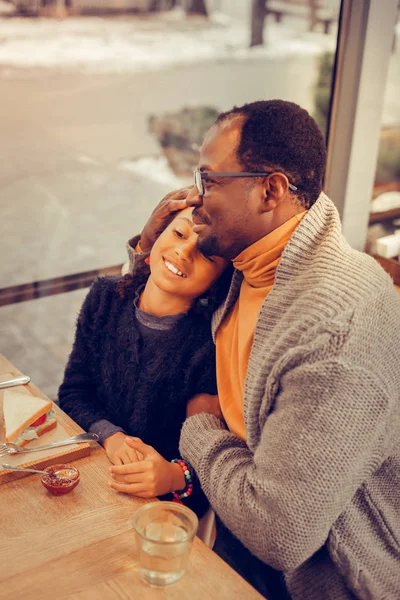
(138, 469)
(149, 475)
(118, 452)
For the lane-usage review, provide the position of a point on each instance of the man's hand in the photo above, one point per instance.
(163, 213)
(117, 451)
(150, 477)
(204, 403)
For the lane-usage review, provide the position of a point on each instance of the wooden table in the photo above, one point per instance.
(82, 546)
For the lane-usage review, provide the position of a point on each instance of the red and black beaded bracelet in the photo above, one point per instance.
(180, 495)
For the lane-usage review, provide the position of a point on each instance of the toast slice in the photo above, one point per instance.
(21, 411)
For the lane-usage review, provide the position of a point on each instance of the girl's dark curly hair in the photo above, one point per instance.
(204, 305)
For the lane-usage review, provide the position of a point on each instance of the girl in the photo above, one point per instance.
(142, 349)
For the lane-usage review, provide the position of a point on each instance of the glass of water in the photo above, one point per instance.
(164, 536)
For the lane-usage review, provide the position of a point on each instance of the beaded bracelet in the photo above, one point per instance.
(188, 489)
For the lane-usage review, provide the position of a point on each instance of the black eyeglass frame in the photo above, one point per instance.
(200, 176)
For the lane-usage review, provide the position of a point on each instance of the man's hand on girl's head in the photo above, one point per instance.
(172, 203)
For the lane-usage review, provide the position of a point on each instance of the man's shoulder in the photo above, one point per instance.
(354, 277)
(345, 283)
(336, 290)
(319, 262)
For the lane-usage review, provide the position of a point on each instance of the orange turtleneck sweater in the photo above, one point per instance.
(234, 339)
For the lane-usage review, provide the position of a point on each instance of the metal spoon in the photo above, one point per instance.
(12, 468)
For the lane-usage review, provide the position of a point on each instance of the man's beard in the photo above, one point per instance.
(210, 244)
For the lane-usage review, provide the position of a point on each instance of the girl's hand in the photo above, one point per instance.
(117, 451)
(152, 476)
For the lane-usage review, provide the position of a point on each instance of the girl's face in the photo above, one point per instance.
(177, 267)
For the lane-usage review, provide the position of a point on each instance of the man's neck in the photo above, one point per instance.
(286, 211)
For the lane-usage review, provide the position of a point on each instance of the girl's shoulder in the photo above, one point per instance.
(121, 288)
(103, 298)
(105, 283)
(103, 287)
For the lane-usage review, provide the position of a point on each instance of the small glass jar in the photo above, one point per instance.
(64, 482)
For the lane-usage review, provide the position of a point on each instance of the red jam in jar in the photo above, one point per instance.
(66, 479)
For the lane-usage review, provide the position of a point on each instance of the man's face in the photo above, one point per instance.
(225, 221)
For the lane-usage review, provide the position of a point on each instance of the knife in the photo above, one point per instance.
(15, 381)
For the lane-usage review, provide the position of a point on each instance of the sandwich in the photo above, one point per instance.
(26, 417)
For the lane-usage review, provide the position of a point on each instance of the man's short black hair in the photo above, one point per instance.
(282, 136)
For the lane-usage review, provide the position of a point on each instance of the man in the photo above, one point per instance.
(305, 474)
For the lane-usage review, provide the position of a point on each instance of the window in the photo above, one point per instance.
(384, 218)
(103, 114)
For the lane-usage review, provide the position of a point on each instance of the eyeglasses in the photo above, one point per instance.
(200, 176)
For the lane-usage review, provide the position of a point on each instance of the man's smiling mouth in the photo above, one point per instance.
(173, 269)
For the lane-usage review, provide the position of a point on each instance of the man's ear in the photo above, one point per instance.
(274, 189)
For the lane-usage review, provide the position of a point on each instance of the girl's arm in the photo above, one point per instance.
(77, 394)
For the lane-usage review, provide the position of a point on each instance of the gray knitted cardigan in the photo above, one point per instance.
(315, 492)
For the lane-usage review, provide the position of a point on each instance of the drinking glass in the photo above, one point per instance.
(164, 536)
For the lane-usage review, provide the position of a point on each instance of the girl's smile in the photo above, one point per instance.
(173, 268)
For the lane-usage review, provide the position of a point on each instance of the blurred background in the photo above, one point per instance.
(104, 104)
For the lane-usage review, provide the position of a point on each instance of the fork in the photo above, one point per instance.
(10, 448)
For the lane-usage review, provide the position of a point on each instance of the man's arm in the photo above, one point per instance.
(134, 250)
(317, 447)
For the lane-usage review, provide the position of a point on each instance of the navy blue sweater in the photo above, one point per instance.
(142, 388)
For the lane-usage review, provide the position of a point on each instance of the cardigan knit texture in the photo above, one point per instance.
(234, 338)
(315, 492)
(141, 388)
